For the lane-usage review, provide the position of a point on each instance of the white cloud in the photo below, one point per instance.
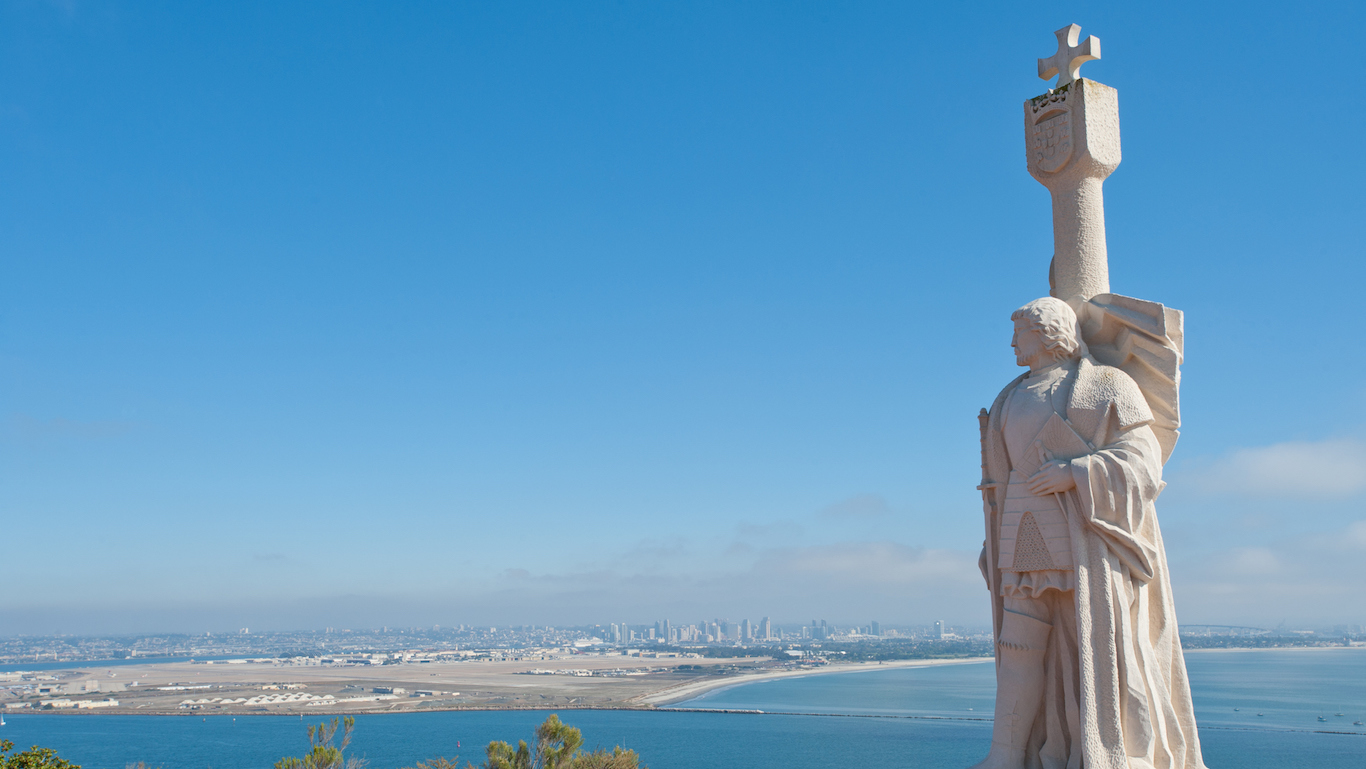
(867, 564)
(859, 506)
(842, 582)
(1252, 561)
(1312, 579)
(1351, 539)
(1355, 536)
(772, 533)
(1323, 470)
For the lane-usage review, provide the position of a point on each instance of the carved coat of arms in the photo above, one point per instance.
(1050, 141)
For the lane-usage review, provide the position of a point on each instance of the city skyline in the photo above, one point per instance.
(379, 644)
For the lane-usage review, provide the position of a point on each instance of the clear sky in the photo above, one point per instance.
(357, 314)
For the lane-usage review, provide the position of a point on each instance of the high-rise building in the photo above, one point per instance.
(765, 629)
(939, 628)
(876, 628)
(745, 633)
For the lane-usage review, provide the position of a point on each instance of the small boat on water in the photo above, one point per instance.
(1259, 715)
(1356, 723)
(1321, 718)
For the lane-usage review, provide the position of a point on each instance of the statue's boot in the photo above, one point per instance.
(1019, 689)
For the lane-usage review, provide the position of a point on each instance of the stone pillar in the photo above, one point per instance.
(1072, 141)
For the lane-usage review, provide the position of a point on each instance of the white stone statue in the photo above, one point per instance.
(1089, 666)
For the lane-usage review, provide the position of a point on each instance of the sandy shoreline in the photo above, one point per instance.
(686, 691)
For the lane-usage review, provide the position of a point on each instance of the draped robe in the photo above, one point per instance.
(1117, 695)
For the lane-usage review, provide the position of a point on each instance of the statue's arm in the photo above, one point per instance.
(1115, 489)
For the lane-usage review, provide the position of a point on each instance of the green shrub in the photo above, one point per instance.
(322, 754)
(33, 758)
(557, 745)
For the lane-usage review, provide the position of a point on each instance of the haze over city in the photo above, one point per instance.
(316, 316)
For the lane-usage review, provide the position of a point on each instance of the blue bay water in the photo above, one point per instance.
(903, 717)
(11, 667)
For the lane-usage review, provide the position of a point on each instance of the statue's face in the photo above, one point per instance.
(1028, 344)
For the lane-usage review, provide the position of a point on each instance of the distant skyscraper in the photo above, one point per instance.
(745, 634)
(876, 628)
(939, 628)
(765, 629)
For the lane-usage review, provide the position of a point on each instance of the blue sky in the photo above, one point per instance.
(358, 314)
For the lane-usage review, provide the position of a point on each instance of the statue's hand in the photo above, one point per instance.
(1052, 478)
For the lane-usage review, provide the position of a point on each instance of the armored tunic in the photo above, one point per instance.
(1035, 548)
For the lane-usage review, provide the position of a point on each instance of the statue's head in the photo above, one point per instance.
(1046, 331)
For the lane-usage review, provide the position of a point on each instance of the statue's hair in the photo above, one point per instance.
(1056, 322)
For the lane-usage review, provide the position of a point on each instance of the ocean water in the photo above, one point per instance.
(11, 667)
(903, 717)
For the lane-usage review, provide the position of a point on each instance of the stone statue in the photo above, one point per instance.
(1089, 665)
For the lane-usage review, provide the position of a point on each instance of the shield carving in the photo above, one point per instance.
(1050, 145)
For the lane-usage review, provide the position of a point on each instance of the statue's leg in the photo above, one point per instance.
(1019, 681)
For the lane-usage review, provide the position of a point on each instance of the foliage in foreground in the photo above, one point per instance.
(33, 758)
(322, 754)
(556, 745)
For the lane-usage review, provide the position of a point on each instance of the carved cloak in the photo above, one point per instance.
(1125, 702)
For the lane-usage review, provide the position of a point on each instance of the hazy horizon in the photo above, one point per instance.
(526, 313)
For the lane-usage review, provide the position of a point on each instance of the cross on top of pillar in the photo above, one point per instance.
(1066, 63)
